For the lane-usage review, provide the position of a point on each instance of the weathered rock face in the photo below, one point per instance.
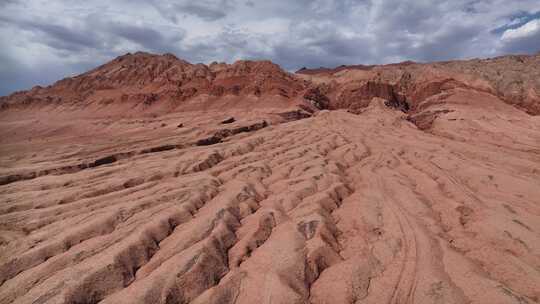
(317, 98)
(143, 79)
(415, 183)
(145, 82)
(514, 79)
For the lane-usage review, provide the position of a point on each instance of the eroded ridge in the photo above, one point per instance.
(336, 208)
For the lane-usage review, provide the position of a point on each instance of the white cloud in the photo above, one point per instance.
(528, 29)
(75, 35)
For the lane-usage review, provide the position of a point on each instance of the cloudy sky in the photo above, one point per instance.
(46, 40)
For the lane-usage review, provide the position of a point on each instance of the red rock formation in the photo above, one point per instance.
(515, 79)
(143, 79)
(153, 180)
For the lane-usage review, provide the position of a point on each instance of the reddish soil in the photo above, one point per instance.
(153, 180)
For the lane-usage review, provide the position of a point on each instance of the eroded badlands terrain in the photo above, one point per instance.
(410, 183)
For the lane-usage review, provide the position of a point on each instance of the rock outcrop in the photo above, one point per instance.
(142, 82)
(405, 183)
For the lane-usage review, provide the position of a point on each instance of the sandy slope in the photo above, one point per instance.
(336, 208)
(421, 185)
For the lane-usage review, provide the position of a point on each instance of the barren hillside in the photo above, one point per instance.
(154, 180)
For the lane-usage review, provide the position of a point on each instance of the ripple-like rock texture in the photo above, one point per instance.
(420, 184)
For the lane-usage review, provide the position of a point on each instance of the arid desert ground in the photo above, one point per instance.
(154, 180)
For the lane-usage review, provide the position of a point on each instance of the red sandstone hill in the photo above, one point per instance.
(141, 81)
(162, 83)
(153, 180)
(515, 79)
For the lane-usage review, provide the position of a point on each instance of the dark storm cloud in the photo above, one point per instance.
(64, 37)
(204, 9)
(94, 33)
(15, 76)
(453, 42)
(55, 35)
(321, 45)
(147, 38)
(6, 2)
